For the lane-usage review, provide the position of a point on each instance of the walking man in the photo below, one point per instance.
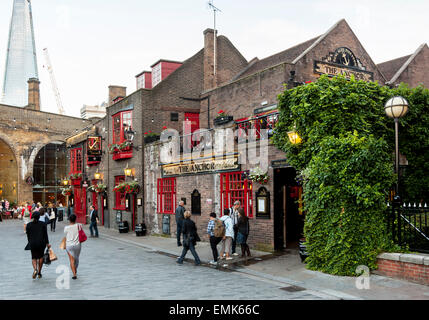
(93, 218)
(234, 217)
(180, 211)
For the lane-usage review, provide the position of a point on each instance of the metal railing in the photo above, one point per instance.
(409, 224)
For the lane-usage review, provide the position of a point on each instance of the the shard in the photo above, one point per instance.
(21, 60)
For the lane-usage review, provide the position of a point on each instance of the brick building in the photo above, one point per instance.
(248, 94)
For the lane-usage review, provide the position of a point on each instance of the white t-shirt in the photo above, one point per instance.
(229, 227)
(72, 235)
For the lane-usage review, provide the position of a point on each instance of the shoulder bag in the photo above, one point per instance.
(82, 235)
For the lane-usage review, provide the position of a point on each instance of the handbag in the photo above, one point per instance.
(52, 255)
(82, 235)
(27, 247)
(46, 258)
(63, 243)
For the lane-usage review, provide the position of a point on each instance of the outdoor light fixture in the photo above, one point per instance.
(294, 137)
(97, 175)
(129, 134)
(65, 182)
(128, 171)
(396, 107)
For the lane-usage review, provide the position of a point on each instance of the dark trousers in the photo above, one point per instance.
(185, 251)
(92, 227)
(214, 241)
(53, 224)
(234, 241)
(179, 230)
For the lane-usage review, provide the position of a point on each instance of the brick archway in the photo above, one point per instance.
(9, 176)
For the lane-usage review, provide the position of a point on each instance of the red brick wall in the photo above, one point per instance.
(409, 271)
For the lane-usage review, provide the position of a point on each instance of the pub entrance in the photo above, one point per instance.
(288, 223)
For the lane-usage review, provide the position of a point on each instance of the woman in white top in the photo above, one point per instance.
(73, 245)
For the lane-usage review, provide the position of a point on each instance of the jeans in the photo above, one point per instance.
(179, 230)
(234, 241)
(185, 251)
(92, 227)
(53, 224)
(214, 241)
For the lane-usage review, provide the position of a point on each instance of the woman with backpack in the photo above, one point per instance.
(190, 238)
(243, 232)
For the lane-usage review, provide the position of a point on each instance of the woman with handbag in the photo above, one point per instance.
(37, 235)
(243, 232)
(190, 238)
(73, 243)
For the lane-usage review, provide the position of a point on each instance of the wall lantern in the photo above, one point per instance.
(129, 134)
(128, 171)
(97, 175)
(294, 137)
(65, 182)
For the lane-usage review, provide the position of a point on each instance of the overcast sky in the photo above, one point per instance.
(97, 43)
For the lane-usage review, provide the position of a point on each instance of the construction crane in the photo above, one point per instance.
(54, 82)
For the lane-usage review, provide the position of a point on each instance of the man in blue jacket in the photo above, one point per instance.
(180, 211)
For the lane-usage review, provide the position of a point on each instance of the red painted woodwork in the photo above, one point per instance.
(119, 120)
(233, 188)
(119, 196)
(166, 191)
(80, 204)
(76, 182)
(76, 160)
(122, 155)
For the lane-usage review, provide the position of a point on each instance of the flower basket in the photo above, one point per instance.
(259, 176)
(66, 192)
(127, 187)
(100, 188)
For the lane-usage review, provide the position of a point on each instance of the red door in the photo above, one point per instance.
(80, 204)
(195, 122)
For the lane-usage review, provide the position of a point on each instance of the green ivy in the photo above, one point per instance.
(346, 159)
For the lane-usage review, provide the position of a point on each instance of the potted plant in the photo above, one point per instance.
(259, 176)
(222, 118)
(125, 146)
(151, 137)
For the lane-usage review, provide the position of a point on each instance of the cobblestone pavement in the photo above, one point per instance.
(112, 269)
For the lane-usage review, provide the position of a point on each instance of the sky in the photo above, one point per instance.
(96, 43)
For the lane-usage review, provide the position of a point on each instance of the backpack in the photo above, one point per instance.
(26, 213)
(219, 229)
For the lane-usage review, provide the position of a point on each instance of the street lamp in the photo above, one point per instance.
(396, 108)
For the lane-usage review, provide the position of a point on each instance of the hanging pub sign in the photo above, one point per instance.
(94, 149)
(344, 62)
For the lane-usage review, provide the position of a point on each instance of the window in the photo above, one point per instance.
(166, 195)
(174, 116)
(121, 121)
(234, 188)
(156, 74)
(141, 81)
(119, 196)
(76, 160)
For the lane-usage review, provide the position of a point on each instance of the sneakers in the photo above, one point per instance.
(235, 254)
(229, 258)
(212, 262)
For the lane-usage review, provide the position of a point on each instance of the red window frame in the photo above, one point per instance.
(119, 196)
(118, 131)
(76, 160)
(166, 191)
(233, 188)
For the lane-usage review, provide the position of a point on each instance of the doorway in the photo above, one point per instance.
(288, 221)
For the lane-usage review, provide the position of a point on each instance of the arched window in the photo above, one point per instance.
(196, 203)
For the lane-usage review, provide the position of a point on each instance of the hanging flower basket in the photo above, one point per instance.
(76, 179)
(259, 176)
(127, 187)
(66, 192)
(100, 188)
(222, 118)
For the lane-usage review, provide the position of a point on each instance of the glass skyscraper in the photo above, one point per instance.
(21, 60)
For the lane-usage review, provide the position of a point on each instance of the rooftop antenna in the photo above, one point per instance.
(215, 9)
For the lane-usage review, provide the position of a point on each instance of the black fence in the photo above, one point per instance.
(409, 224)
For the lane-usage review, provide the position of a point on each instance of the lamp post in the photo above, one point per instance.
(396, 108)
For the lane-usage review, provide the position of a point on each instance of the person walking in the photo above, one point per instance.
(214, 241)
(234, 216)
(190, 238)
(243, 233)
(44, 216)
(229, 236)
(73, 245)
(53, 217)
(180, 211)
(26, 215)
(37, 235)
(93, 218)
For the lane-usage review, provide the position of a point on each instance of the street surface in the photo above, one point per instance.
(111, 269)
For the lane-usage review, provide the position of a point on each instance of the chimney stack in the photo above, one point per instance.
(209, 74)
(34, 94)
(115, 92)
